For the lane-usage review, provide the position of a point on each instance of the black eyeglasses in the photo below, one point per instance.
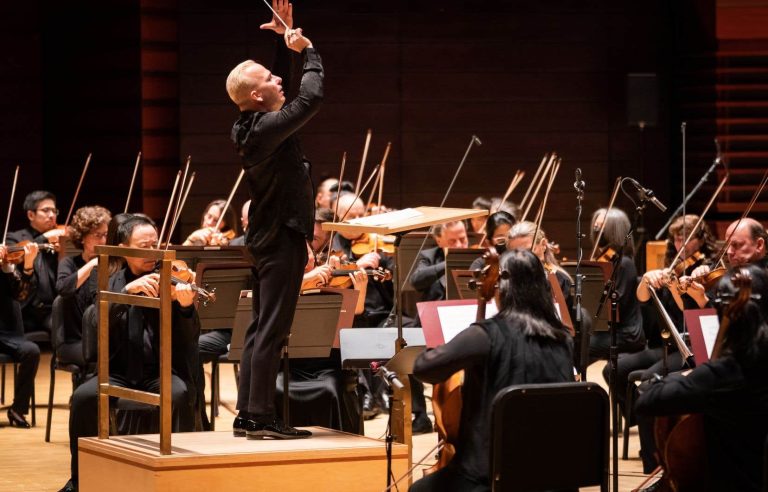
(48, 210)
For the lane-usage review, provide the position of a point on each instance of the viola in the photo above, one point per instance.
(182, 275)
(15, 253)
(368, 243)
(446, 396)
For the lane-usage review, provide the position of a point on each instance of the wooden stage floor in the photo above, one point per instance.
(28, 463)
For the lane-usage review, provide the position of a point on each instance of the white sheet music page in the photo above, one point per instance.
(710, 325)
(455, 319)
(387, 218)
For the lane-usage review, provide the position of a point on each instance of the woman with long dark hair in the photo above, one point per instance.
(524, 343)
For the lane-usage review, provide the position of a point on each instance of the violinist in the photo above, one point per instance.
(749, 241)
(731, 391)
(324, 193)
(75, 283)
(41, 212)
(280, 218)
(207, 234)
(135, 343)
(497, 225)
(240, 240)
(16, 281)
(428, 276)
(631, 338)
(319, 236)
(524, 343)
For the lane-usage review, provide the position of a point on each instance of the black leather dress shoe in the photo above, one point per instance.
(17, 420)
(69, 487)
(276, 429)
(238, 426)
(421, 425)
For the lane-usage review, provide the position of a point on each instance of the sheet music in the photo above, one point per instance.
(455, 319)
(710, 325)
(387, 218)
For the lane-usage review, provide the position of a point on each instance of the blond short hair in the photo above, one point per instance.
(238, 84)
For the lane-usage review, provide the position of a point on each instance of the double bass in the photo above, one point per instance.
(446, 396)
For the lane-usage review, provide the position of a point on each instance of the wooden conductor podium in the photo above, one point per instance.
(398, 224)
(329, 461)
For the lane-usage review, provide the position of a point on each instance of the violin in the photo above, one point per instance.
(340, 276)
(693, 261)
(368, 243)
(15, 253)
(182, 275)
(707, 280)
(607, 255)
(446, 396)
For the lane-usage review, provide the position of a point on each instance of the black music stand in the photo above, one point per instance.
(458, 259)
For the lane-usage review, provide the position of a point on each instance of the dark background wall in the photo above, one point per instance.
(526, 77)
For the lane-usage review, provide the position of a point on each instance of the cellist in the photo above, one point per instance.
(731, 391)
(525, 329)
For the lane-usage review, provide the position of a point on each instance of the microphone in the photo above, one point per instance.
(648, 195)
(579, 183)
(388, 376)
(476, 140)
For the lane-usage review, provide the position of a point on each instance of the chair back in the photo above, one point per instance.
(549, 437)
(91, 334)
(57, 323)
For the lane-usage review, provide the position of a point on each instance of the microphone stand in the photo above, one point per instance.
(583, 338)
(609, 292)
(701, 182)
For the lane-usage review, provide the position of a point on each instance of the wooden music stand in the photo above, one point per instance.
(163, 304)
(398, 224)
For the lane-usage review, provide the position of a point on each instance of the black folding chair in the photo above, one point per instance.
(549, 437)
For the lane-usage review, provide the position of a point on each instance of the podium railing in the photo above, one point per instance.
(163, 303)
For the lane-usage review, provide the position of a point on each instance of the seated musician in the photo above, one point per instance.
(324, 193)
(476, 224)
(41, 212)
(319, 236)
(701, 250)
(497, 225)
(240, 240)
(74, 282)
(749, 242)
(15, 283)
(135, 343)
(731, 391)
(517, 346)
(207, 235)
(630, 326)
(428, 276)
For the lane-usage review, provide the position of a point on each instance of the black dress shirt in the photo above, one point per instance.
(14, 284)
(428, 276)
(46, 266)
(77, 298)
(279, 182)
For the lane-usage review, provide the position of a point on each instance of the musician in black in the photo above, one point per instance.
(16, 282)
(135, 344)
(281, 214)
(41, 210)
(731, 391)
(524, 343)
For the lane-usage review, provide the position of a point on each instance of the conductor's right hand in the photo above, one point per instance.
(285, 11)
(296, 41)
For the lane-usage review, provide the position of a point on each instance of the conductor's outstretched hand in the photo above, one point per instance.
(285, 10)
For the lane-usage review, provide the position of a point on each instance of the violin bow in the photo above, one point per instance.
(168, 210)
(378, 185)
(602, 227)
(336, 206)
(547, 168)
(178, 212)
(77, 191)
(362, 162)
(516, 179)
(727, 244)
(533, 181)
(229, 200)
(10, 205)
(133, 179)
(357, 196)
(381, 187)
(543, 206)
(678, 256)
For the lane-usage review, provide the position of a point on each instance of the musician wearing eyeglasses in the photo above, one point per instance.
(41, 210)
(74, 281)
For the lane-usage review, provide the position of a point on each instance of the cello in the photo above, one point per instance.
(446, 396)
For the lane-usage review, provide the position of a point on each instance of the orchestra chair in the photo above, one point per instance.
(534, 447)
(57, 362)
